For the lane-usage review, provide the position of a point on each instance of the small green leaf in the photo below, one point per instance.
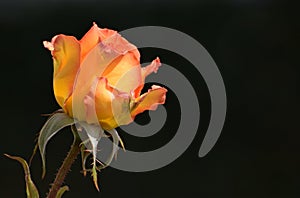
(54, 124)
(61, 191)
(31, 189)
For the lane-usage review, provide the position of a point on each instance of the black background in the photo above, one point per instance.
(255, 45)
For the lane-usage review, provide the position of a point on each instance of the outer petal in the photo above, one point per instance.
(149, 101)
(94, 36)
(107, 105)
(66, 60)
(124, 72)
(145, 71)
(153, 67)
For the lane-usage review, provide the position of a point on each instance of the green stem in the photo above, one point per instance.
(66, 165)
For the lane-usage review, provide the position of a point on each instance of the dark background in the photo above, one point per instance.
(255, 45)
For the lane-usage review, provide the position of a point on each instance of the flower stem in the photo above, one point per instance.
(66, 165)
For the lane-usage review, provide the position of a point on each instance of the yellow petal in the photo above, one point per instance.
(107, 105)
(150, 100)
(66, 60)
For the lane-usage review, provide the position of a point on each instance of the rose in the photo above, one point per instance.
(99, 78)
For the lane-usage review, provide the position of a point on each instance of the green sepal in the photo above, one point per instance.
(94, 175)
(61, 191)
(31, 189)
(116, 140)
(94, 133)
(54, 124)
(84, 156)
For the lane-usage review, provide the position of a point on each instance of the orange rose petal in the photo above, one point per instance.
(68, 106)
(114, 57)
(94, 36)
(124, 72)
(106, 60)
(150, 100)
(145, 71)
(94, 64)
(153, 67)
(66, 52)
(107, 105)
(89, 40)
(105, 33)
